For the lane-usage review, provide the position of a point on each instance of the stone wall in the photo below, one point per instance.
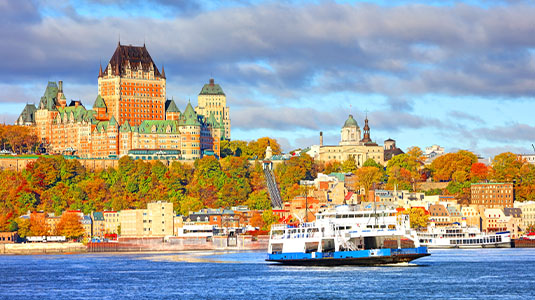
(42, 248)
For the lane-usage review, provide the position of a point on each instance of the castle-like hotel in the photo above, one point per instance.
(131, 115)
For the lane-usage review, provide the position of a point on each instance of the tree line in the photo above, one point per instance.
(55, 184)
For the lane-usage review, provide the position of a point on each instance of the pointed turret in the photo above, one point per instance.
(113, 122)
(189, 117)
(163, 71)
(125, 127)
(99, 103)
(100, 71)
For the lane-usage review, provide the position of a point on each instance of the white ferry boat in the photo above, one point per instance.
(346, 236)
(463, 237)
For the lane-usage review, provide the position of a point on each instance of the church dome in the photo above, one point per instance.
(350, 122)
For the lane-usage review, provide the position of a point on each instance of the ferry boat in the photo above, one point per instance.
(346, 236)
(463, 237)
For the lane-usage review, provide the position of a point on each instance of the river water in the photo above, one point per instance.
(446, 274)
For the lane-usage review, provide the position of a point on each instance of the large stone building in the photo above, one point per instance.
(155, 221)
(130, 113)
(351, 145)
(212, 100)
(492, 195)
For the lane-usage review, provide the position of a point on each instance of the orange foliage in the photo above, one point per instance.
(479, 171)
(38, 225)
(70, 225)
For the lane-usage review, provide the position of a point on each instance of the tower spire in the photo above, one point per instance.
(100, 70)
(163, 71)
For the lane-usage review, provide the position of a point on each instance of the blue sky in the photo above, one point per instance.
(457, 74)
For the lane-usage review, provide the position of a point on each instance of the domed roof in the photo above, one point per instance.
(350, 122)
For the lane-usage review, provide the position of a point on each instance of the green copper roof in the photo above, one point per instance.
(189, 117)
(212, 121)
(99, 103)
(28, 113)
(113, 122)
(125, 127)
(171, 107)
(48, 101)
(211, 89)
(350, 122)
(158, 126)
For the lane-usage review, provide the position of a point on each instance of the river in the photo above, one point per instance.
(446, 274)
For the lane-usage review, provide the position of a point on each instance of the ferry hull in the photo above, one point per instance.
(359, 258)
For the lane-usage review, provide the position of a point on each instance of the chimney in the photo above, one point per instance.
(211, 81)
(60, 86)
(321, 138)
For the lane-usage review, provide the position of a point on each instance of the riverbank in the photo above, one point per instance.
(42, 248)
(133, 245)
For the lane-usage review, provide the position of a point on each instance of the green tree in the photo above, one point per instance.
(269, 218)
(259, 200)
(367, 177)
(24, 228)
(349, 166)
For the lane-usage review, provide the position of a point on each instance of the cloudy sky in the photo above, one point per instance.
(457, 74)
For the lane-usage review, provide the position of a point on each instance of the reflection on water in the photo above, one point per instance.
(448, 274)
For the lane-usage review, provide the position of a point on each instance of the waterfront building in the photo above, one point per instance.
(514, 220)
(351, 145)
(87, 224)
(492, 194)
(494, 220)
(455, 215)
(52, 221)
(9, 237)
(111, 222)
(439, 215)
(99, 228)
(130, 113)
(154, 221)
(223, 220)
(471, 216)
(528, 213)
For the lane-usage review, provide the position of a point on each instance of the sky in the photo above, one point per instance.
(457, 74)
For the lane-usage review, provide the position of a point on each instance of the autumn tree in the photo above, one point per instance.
(70, 225)
(257, 149)
(19, 139)
(269, 218)
(418, 217)
(349, 166)
(38, 225)
(257, 221)
(24, 228)
(506, 167)
(479, 172)
(453, 166)
(332, 166)
(292, 171)
(259, 200)
(367, 177)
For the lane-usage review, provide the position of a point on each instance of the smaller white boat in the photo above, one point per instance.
(463, 237)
